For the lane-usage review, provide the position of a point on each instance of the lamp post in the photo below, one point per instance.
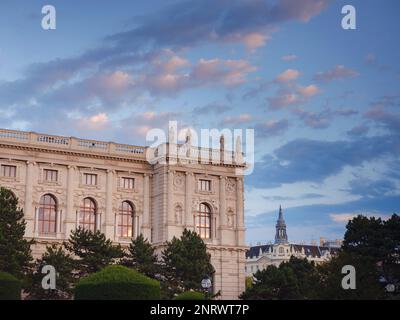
(206, 285)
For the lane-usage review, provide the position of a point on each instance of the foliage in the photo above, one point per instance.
(185, 263)
(141, 257)
(64, 265)
(367, 285)
(15, 252)
(93, 251)
(10, 287)
(295, 279)
(117, 283)
(190, 295)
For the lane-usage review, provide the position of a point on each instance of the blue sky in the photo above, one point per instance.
(324, 102)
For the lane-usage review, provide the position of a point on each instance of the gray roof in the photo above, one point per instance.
(309, 250)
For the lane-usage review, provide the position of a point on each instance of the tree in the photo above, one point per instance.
(141, 257)
(377, 240)
(64, 266)
(295, 279)
(367, 285)
(185, 263)
(93, 251)
(15, 251)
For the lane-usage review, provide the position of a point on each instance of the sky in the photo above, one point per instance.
(324, 101)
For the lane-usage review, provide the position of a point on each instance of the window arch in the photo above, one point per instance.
(47, 214)
(88, 214)
(125, 219)
(203, 221)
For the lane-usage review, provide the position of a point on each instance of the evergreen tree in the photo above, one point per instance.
(93, 251)
(295, 279)
(64, 266)
(15, 251)
(141, 257)
(185, 263)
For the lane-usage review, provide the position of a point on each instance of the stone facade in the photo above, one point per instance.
(260, 257)
(165, 196)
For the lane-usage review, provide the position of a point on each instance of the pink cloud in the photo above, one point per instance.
(289, 57)
(288, 75)
(309, 90)
(338, 72)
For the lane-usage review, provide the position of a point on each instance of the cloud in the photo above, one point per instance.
(337, 73)
(322, 119)
(215, 108)
(345, 217)
(308, 91)
(384, 119)
(305, 160)
(271, 128)
(238, 120)
(289, 57)
(371, 188)
(97, 122)
(283, 99)
(288, 75)
(357, 131)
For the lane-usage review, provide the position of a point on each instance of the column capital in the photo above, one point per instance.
(222, 177)
(188, 173)
(71, 167)
(110, 171)
(30, 162)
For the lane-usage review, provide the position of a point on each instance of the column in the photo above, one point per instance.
(222, 207)
(188, 201)
(71, 216)
(171, 218)
(28, 210)
(240, 212)
(146, 226)
(108, 222)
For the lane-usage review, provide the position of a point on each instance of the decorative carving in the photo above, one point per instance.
(179, 181)
(230, 185)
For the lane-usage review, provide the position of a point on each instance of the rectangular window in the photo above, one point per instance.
(90, 179)
(8, 171)
(204, 185)
(50, 175)
(128, 183)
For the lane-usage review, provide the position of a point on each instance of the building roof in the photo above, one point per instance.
(309, 250)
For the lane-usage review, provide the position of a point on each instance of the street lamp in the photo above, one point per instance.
(206, 285)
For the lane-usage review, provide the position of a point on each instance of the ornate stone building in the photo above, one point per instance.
(65, 182)
(261, 256)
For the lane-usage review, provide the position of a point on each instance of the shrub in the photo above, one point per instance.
(117, 283)
(10, 287)
(190, 295)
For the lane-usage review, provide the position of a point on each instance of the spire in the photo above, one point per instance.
(280, 235)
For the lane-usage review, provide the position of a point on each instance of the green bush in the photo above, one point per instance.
(10, 287)
(190, 295)
(117, 283)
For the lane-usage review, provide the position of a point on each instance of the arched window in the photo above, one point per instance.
(47, 214)
(88, 214)
(125, 220)
(203, 221)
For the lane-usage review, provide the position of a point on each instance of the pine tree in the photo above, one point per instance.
(141, 257)
(185, 263)
(15, 251)
(64, 266)
(93, 251)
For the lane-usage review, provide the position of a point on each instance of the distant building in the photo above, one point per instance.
(261, 256)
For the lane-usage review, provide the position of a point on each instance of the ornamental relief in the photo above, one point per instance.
(230, 185)
(213, 203)
(179, 181)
